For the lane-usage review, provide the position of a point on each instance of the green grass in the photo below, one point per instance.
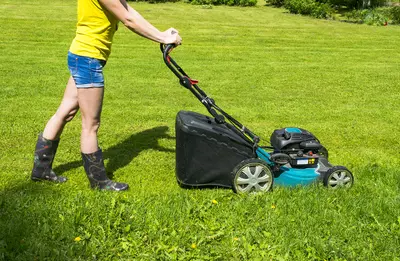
(267, 68)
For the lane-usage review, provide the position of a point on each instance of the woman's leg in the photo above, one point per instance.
(47, 143)
(90, 103)
(66, 111)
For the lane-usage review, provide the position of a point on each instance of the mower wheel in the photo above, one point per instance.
(323, 152)
(338, 177)
(252, 175)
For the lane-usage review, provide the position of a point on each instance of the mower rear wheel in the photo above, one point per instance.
(338, 177)
(252, 175)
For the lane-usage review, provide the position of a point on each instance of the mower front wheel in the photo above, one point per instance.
(338, 177)
(252, 175)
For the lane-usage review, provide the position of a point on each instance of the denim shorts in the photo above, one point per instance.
(87, 72)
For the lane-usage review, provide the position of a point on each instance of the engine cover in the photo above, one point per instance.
(294, 139)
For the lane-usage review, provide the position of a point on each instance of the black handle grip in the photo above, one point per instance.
(166, 48)
(171, 64)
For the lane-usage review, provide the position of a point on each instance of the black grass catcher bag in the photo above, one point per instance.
(207, 152)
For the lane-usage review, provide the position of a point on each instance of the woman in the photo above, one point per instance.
(89, 51)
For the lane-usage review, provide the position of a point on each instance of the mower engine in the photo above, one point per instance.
(297, 146)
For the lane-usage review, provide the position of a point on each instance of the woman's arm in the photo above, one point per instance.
(136, 23)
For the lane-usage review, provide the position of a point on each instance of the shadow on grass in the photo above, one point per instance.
(124, 152)
(22, 208)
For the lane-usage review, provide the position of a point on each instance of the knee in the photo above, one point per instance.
(90, 125)
(70, 115)
(65, 116)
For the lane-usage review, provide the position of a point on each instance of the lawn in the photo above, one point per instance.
(267, 68)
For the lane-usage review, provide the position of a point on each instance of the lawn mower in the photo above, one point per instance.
(219, 151)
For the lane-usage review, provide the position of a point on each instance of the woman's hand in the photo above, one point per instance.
(171, 36)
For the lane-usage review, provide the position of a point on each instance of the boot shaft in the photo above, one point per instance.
(45, 151)
(96, 172)
(94, 166)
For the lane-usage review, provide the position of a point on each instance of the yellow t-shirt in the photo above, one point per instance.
(95, 30)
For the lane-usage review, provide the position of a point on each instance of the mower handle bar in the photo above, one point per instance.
(208, 102)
